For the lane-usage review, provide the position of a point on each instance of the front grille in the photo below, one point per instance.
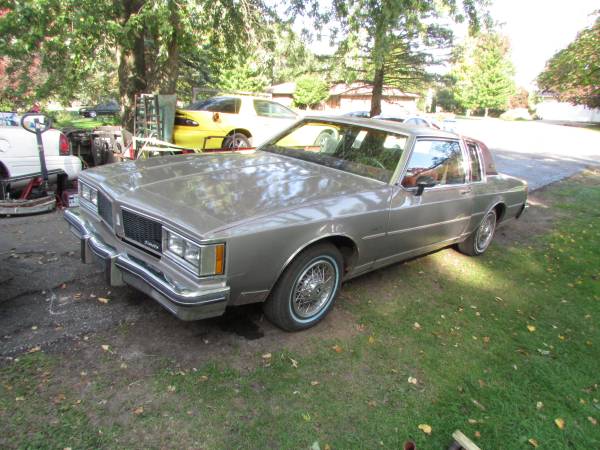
(105, 208)
(142, 230)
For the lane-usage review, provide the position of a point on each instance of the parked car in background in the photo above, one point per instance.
(19, 156)
(109, 108)
(409, 120)
(231, 121)
(286, 224)
(361, 114)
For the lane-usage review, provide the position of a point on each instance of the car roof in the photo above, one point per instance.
(386, 125)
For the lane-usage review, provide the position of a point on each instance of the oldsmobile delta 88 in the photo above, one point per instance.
(287, 223)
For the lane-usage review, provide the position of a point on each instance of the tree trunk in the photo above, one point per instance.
(171, 70)
(132, 65)
(486, 112)
(377, 92)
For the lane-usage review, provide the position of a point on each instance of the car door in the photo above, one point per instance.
(443, 211)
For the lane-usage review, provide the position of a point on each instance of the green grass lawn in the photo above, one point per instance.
(67, 119)
(504, 347)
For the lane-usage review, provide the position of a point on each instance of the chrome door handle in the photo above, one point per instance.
(466, 191)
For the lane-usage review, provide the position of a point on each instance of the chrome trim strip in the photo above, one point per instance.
(515, 205)
(373, 236)
(421, 227)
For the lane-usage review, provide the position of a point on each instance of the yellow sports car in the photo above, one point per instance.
(230, 122)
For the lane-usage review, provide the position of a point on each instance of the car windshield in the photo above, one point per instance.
(368, 152)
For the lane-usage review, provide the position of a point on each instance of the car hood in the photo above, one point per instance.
(205, 193)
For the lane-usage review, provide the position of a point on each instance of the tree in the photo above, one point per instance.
(141, 43)
(310, 91)
(484, 73)
(573, 74)
(390, 41)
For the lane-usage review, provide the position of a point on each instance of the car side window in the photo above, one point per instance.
(227, 105)
(265, 108)
(435, 161)
(475, 162)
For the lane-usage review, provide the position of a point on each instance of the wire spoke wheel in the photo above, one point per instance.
(314, 288)
(485, 233)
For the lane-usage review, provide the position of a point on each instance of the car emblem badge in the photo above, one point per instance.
(151, 244)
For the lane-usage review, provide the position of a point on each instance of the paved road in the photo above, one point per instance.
(48, 298)
(538, 152)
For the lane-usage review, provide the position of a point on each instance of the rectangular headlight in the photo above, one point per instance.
(89, 194)
(202, 260)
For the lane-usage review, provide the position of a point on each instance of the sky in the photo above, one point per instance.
(537, 29)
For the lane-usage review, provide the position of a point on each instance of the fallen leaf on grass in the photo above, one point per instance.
(294, 363)
(59, 399)
(531, 328)
(203, 378)
(314, 383)
(539, 405)
(19, 399)
(37, 348)
(105, 347)
(477, 434)
(306, 417)
(533, 442)
(34, 327)
(479, 405)
(337, 348)
(560, 423)
(171, 388)
(371, 340)
(266, 356)
(139, 410)
(417, 326)
(412, 380)
(592, 420)
(372, 403)
(425, 428)
(103, 300)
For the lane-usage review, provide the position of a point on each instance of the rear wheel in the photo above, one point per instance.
(306, 290)
(481, 238)
(235, 141)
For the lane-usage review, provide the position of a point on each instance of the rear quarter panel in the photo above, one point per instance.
(501, 189)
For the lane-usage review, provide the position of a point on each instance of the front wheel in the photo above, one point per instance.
(306, 290)
(481, 238)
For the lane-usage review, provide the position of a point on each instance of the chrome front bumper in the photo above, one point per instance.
(185, 302)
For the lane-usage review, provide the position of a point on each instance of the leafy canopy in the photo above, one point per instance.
(573, 74)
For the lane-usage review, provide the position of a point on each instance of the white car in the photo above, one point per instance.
(19, 156)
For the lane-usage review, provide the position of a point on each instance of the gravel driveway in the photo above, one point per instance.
(48, 298)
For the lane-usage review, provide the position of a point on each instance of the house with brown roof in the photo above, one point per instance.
(356, 96)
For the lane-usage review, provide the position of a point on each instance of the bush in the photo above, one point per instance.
(310, 91)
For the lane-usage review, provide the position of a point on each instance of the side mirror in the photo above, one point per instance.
(36, 122)
(422, 183)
